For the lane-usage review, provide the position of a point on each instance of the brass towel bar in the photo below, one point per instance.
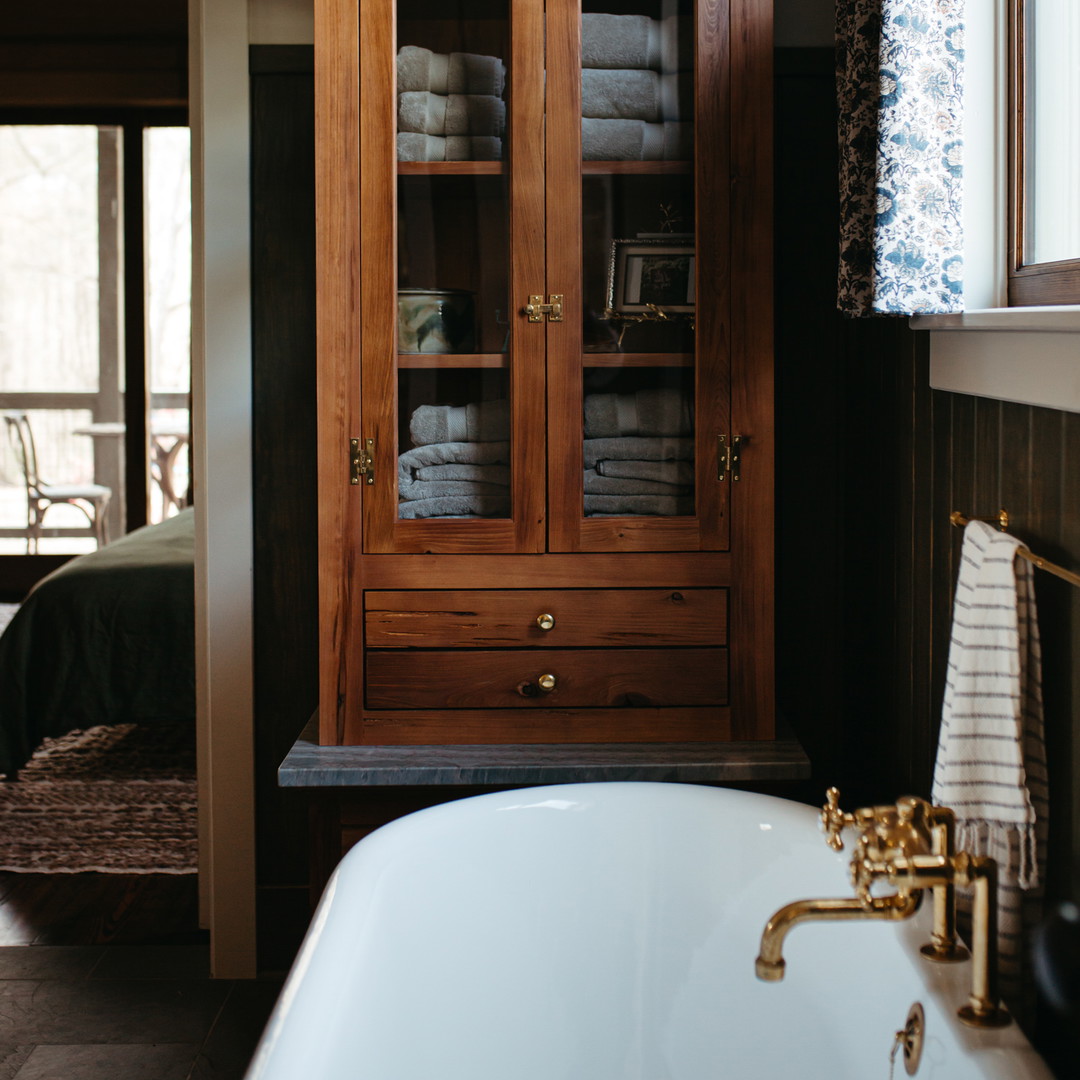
(1002, 522)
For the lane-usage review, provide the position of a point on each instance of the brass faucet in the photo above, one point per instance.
(910, 846)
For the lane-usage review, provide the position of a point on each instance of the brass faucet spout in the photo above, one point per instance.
(770, 962)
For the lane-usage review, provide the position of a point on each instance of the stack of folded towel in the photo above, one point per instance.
(636, 88)
(450, 107)
(459, 465)
(639, 453)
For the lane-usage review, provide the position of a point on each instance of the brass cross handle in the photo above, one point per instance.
(833, 819)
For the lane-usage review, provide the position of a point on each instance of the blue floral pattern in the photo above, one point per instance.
(899, 83)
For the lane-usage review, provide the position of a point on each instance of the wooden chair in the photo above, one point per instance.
(91, 499)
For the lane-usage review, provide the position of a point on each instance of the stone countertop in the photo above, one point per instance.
(308, 765)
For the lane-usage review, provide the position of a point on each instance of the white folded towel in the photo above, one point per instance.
(457, 73)
(415, 146)
(991, 760)
(425, 113)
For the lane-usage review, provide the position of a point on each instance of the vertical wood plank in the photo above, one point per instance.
(564, 259)
(337, 180)
(528, 342)
(753, 513)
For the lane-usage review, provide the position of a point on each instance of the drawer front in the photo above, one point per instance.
(494, 618)
(476, 679)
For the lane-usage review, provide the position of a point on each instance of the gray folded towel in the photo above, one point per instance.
(442, 489)
(632, 448)
(635, 140)
(457, 73)
(636, 41)
(595, 484)
(456, 114)
(650, 505)
(661, 411)
(489, 474)
(456, 506)
(482, 421)
(636, 95)
(667, 472)
(447, 453)
(412, 146)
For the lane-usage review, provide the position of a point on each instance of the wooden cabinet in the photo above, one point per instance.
(545, 370)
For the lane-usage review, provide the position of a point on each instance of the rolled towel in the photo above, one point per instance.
(636, 95)
(456, 114)
(667, 472)
(650, 505)
(442, 489)
(660, 411)
(457, 453)
(635, 140)
(483, 421)
(456, 506)
(620, 41)
(472, 73)
(636, 41)
(633, 448)
(475, 114)
(595, 484)
(422, 112)
(473, 148)
(676, 43)
(421, 69)
(489, 474)
(412, 146)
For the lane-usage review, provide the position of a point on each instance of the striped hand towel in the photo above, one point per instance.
(991, 760)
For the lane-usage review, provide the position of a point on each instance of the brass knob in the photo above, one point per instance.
(545, 621)
(547, 683)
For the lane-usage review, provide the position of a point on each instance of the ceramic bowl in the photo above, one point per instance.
(436, 321)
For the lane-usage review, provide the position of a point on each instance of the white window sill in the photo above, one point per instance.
(1027, 355)
(1059, 319)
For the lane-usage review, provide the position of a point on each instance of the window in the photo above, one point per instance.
(1044, 159)
(95, 283)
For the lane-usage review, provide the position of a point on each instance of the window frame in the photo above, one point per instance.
(131, 121)
(1028, 284)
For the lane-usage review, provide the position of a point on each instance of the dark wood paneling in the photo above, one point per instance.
(285, 574)
(73, 54)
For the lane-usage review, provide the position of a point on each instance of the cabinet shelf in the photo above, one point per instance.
(591, 168)
(637, 168)
(452, 360)
(629, 359)
(451, 168)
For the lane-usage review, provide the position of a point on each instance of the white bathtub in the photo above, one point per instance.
(608, 932)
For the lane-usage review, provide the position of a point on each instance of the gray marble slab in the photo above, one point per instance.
(309, 765)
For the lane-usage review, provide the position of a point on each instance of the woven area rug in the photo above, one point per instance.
(115, 800)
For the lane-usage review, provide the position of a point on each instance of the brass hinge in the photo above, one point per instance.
(361, 462)
(729, 456)
(536, 309)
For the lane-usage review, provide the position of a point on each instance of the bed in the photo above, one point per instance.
(109, 638)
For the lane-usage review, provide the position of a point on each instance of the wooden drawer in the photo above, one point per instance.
(508, 618)
(478, 679)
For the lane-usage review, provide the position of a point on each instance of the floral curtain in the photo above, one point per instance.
(899, 79)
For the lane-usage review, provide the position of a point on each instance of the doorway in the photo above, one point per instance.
(95, 293)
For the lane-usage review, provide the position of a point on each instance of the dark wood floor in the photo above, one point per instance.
(107, 977)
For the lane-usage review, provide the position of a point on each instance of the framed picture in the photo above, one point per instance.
(648, 274)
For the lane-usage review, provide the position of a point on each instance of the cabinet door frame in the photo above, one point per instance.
(708, 528)
(384, 531)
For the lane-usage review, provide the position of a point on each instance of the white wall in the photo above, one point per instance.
(281, 22)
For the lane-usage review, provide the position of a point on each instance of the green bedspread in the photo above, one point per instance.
(109, 638)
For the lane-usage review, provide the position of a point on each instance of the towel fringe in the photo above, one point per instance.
(1012, 846)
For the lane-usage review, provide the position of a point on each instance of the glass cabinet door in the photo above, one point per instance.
(639, 394)
(452, 388)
